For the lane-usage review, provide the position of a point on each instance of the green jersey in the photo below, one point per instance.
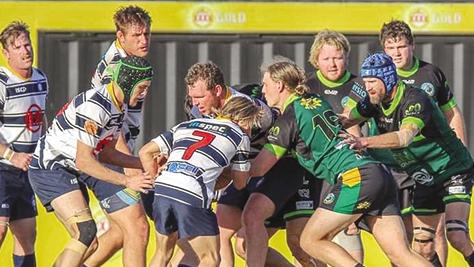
(436, 153)
(309, 129)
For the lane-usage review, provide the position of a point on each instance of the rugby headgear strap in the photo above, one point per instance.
(129, 72)
(380, 65)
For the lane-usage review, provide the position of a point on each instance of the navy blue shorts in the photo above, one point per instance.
(171, 216)
(50, 184)
(17, 200)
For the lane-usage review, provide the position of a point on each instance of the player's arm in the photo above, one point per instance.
(86, 162)
(240, 178)
(264, 161)
(147, 157)
(398, 139)
(111, 155)
(353, 116)
(456, 122)
(18, 159)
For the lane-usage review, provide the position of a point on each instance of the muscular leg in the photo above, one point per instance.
(389, 233)
(318, 233)
(273, 259)
(351, 241)
(164, 249)
(207, 249)
(4, 223)
(441, 243)
(24, 236)
(424, 229)
(73, 212)
(229, 221)
(294, 228)
(457, 218)
(258, 208)
(108, 244)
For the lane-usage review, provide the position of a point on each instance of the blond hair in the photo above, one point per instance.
(12, 31)
(243, 111)
(328, 37)
(292, 76)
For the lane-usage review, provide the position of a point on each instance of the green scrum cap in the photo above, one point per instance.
(129, 72)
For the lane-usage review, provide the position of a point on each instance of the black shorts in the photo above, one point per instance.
(406, 186)
(293, 191)
(17, 200)
(172, 216)
(369, 189)
(237, 198)
(429, 200)
(50, 184)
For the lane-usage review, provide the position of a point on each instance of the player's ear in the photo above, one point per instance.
(219, 90)
(120, 36)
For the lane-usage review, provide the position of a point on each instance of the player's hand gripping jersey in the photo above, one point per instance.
(198, 151)
(92, 117)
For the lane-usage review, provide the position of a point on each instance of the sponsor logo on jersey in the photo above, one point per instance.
(208, 127)
(413, 109)
(19, 90)
(330, 92)
(428, 88)
(91, 127)
(311, 103)
(410, 81)
(274, 131)
(363, 205)
(359, 90)
(34, 118)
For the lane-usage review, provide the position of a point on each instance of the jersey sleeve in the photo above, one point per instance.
(356, 95)
(282, 135)
(416, 110)
(91, 121)
(240, 162)
(444, 97)
(165, 140)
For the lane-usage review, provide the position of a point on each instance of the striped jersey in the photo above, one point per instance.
(258, 135)
(91, 117)
(103, 75)
(198, 152)
(22, 107)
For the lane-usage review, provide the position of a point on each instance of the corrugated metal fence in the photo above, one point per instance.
(69, 60)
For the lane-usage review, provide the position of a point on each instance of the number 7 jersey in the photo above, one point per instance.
(198, 152)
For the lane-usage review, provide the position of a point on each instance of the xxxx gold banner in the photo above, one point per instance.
(236, 17)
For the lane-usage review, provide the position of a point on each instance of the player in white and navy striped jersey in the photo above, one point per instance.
(23, 93)
(128, 223)
(198, 151)
(83, 135)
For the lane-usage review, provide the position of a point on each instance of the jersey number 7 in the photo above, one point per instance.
(207, 138)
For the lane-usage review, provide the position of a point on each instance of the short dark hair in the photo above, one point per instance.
(12, 31)
(208, 72)
(395, 29)
(131, 15)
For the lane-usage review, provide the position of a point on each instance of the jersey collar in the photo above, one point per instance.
(411, 71)
(110, 89)
(332, 84)
(396, 100)
(289, 100)
(120, 48)
(18, 75)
